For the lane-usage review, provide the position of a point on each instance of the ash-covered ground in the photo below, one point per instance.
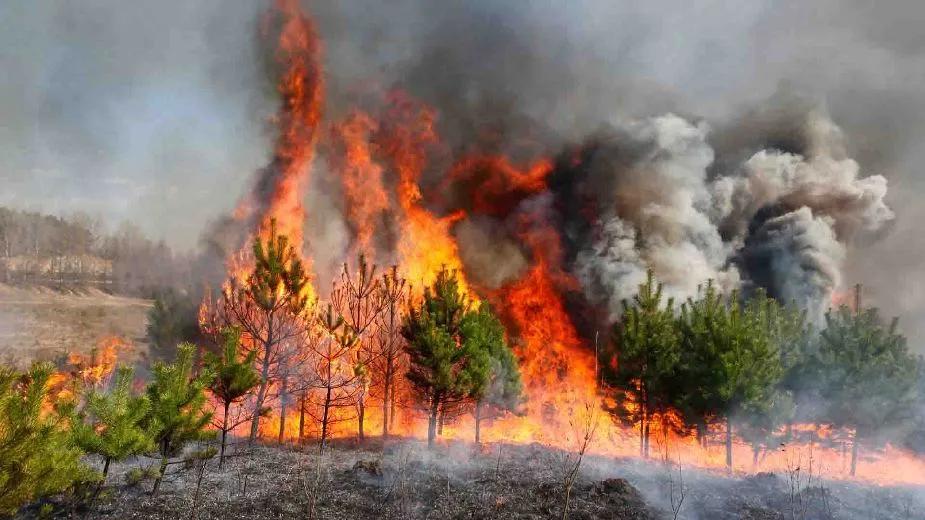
(403, 479)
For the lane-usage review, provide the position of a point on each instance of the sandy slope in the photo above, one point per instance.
(42, 323)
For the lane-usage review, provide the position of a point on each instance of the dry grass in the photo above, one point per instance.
(41, 323)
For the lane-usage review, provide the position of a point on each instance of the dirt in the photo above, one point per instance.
(402, 479)
(44, 323)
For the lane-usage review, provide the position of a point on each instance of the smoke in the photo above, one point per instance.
(159, 115)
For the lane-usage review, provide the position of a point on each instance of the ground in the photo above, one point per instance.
(44, 323)
(402, 479)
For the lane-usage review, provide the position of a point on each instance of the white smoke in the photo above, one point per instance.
(656, 207)
(779, 220)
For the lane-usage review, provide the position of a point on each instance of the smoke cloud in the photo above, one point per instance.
(773, 171)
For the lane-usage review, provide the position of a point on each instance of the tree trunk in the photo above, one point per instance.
(385, 398)
(729, 443)
(282, 412)
(160, 474)
(648, 422)
(361, 414)
(264, 381)
(440, 417)
(324, 416)
(221, 453)
(106, 467)
(302, 416)
(854, 453)
(432, 421)
(478, 422)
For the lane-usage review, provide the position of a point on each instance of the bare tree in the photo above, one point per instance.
(337, 377)
(585, 429)
(359, 301)
(393, 292)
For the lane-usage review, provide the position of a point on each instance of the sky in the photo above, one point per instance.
(157, 112)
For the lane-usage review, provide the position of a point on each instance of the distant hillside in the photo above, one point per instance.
(43, 323)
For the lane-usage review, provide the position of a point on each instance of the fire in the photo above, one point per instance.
(425, 242)
(91, 370)
(361, 176)
(380, 159)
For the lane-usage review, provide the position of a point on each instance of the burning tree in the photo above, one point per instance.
(337, 378)
(393, 292)
(271, 307)
(870, 375)
(359, 302)
(640, 369)
(235, 378)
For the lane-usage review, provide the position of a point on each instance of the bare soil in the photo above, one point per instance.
(402, 479)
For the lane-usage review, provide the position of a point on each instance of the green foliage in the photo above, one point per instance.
(446, 369)
(641, 365)
(496, 375)
(38, 456)
(729, 365)
(869, 374)
(439, 367)
(178, 402)
(235, 376)
(173, 319)
(136, 476)
(727, 355)
(279, 278)
(110, 424)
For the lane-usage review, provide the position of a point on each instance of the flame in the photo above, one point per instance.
(425, 243)
(380, 158)
(361, 177)
(92, 370)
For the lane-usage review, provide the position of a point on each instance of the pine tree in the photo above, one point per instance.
(496, 385)
(111, 423)
(642, 363)
(235, 378)
(358, 299)
(38, 455)
(336, 377)
(728, 365)
(178, 403)
(870, 376)
(271, 308)
(440, 370)
(393, 291)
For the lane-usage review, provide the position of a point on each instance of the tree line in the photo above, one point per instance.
(134, 264)
(754, 367)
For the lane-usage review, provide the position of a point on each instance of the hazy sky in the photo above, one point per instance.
(156, 112)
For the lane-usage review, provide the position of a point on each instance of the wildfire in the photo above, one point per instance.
(91, 370)
(380, 159)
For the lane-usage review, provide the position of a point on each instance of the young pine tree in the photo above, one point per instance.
(496, 385)
(111, 423)
(270, 307)
(178, 402)
(38, 455)
(440, 369)
(870, 376)
(641, 365)
(235, 378)
(729, 366)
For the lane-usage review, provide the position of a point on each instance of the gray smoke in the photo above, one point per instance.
(778, 220)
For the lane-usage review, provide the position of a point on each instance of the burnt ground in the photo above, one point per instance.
(404, 480)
